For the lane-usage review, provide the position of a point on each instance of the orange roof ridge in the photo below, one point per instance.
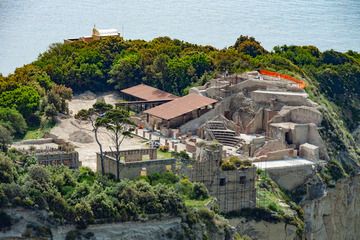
(148, 93)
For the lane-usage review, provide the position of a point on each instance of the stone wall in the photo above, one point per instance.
(70, 159)
(270, 146)
(256, 124)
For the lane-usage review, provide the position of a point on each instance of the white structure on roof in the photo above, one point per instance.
(105, 32)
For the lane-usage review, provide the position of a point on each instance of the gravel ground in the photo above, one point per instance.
(87, 151)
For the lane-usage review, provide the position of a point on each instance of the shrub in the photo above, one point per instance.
(7, 169)
(228, 166)
(83, 215)
(164, 148)
(164, 178)
(199, 191)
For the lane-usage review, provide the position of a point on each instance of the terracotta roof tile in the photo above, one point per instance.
(148, 93)
(180, 106)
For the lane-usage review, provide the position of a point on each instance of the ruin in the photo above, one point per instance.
(263, 116)
(135, 163)
(50, 151)
(233, 189)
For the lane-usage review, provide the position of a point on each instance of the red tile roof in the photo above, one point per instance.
(148, 93)
(180, 106)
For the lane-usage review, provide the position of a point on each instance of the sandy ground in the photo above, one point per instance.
(87, 151)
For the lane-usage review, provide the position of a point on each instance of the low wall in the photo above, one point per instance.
(133, 170)
(290, 98)
(35, 141)
(277, 155)
(133, 155)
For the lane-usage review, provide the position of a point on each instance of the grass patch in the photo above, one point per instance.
(163, 155)
(197, 203)
(39, 132)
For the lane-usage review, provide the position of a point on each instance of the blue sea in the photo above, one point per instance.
(28, 27)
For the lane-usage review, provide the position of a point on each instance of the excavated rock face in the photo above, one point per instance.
(242, 109)
(264, 230)
(336, 215)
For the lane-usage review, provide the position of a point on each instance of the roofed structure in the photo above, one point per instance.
(147, 93)
(180, 106)
(96, 34)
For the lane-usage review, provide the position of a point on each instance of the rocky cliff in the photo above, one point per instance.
(335, 215)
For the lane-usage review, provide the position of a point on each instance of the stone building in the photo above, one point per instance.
(96, 34)
(233, 189)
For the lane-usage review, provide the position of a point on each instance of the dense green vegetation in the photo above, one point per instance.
(83, 197)
(29, 100)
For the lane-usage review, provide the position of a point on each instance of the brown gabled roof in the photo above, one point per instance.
(148, 93)
(180, 106)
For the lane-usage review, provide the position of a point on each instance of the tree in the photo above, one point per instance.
(199, 191)
(83, 214)
(7, 169)
(118, 122)
(126, 71)
(5, 138)
(50, 111)
(13, 120)
(57, 96)
(25, 99)
(91, 115)
(249, 45)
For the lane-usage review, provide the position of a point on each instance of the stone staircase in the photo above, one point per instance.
(218, 131)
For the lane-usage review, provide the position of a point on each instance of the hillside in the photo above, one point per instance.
(34, 94)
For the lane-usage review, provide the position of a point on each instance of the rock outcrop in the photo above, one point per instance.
(264, 230)
(335, 215)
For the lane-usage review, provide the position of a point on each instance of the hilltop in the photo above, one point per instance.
(34, 95)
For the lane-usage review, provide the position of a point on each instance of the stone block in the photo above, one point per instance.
(309, 151)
